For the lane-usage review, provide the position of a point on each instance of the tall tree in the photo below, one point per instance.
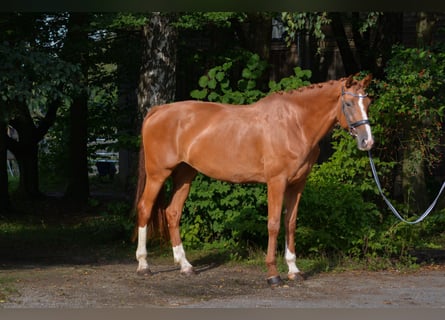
(4, 193)
(34, 84)
(126, 50)
(350, 64)
(76, 50)
(31, 130)
(157, 81)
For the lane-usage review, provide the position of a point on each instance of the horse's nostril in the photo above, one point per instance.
(367, 144)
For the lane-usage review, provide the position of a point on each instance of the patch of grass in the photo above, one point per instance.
(90, 239)
(95, 229)
(7, 288)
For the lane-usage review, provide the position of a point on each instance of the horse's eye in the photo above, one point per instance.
(348, 104)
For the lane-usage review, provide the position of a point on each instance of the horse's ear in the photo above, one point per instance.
(349, 81)
(367, 80)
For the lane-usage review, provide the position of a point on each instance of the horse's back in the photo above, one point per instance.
(211, 137)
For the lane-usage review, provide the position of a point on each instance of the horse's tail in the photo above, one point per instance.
(157, 226)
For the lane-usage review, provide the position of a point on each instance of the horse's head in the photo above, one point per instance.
(353, 111)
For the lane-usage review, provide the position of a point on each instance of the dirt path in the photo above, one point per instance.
(223, 286)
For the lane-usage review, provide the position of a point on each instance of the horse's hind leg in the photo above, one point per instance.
(183, 176)
(292, 198)
(145, 206)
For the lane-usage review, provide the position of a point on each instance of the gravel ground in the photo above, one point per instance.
(103, 285)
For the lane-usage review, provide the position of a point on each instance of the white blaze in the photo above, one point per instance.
(365, 117)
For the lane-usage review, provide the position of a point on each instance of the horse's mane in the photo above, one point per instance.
(309, 87)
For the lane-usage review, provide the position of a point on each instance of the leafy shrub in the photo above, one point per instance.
(221, 211)
(216, 86)
(333, 217)
(407, 117)
(409, 114)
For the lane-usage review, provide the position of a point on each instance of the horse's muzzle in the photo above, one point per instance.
(365, 143)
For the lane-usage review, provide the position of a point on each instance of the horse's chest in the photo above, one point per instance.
(301, 166)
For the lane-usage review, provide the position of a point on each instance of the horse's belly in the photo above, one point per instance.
(227, 164)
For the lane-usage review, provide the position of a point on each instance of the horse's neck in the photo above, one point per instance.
(316, 111)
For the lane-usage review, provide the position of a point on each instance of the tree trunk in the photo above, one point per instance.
(157, 81)
(425, 26)
(4, 194)
(257, 32)
(349, 63)
(25, 149)
(128, 66)
(375, 52)
(76, 51)
(413, 179)
(78, 184)
(28, 163)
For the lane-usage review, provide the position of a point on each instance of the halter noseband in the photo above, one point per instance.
(359, 123)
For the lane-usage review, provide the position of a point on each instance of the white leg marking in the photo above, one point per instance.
(179, 257)
(141, 252)
(290, 259)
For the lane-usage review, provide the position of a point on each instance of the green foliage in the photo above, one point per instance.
(221, 211)
(333, 216)
(370, 21)
(409, 110)
(300, 79)
(121, 20)
(335, 211)
(201, 20)
(34, 78)
(311, 22)
(411, 102)
(216, 85)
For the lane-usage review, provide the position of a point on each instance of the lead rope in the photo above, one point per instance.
(396, 213)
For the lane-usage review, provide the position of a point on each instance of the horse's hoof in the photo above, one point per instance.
(275, 281)
(144, 272)
(297, 276)
(188, 272)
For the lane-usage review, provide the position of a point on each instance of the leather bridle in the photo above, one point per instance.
(356, 124)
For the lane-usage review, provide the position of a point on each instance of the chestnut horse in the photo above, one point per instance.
(273, 141)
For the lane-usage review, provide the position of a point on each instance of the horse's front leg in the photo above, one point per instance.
(292, 199)
(275, 191)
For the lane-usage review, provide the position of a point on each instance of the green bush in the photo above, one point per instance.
(333, 217)
(219, 211)
(408, 117)
(337, 207)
